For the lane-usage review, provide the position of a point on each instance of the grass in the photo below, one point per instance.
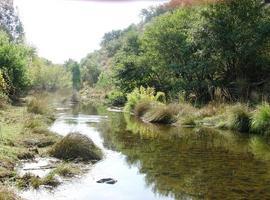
(161, 114)
(23, 135)
(142, 107)
(37, 106)
(239, 118)
(7, 194)
(68, 170)
(76, 146)
(261, 119)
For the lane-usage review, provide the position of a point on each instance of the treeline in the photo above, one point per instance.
(20, 67)
(199, 51)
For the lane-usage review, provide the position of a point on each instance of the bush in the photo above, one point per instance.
(261, 119)
(76, 146)
(239, 118)
(116, 98)
(37, 106)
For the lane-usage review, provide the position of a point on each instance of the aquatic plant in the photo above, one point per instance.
(261, 119)
(76, 146)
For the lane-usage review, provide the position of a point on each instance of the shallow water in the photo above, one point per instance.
(160, 162)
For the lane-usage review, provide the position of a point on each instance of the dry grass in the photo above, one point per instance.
(162, 114)
(142, 107)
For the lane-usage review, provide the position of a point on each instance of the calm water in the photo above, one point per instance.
(159, 162)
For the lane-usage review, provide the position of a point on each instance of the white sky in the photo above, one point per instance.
(62, 29)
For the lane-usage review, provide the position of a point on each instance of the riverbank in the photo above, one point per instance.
(26, 140)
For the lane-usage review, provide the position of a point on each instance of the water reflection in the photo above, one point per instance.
(200, 164)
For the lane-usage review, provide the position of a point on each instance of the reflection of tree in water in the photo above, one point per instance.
(201, 163)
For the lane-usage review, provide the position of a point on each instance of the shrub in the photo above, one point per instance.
(76, 146)
(239, 118)
(161, 114)
(37, 106)
(116, 98)
(261, 119)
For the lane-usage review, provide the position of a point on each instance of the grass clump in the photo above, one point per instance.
(261, 119)
(37, 106)
(76, 146)
(142, 107)
(66, 170)
(239, 118)
(161, 114)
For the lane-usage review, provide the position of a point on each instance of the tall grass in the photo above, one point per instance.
(162, 114)
(239, 118)
(37, 106)
(261, 119)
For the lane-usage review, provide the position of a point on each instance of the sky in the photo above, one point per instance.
(63, 29)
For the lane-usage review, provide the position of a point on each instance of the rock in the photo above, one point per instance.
(107, 181)
(76, 146)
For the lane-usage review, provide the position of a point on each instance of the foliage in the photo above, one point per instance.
(140, 94)
(10, 22)
(13, 64)
(261, 119)
(47, 76)
(90, 67)
(116, 98)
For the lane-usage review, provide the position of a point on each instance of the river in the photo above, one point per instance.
(152, 162)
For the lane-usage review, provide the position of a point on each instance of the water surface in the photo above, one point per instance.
(161, 162)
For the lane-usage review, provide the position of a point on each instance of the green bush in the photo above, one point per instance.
(116, 98)
(142, 94)
(261, 119)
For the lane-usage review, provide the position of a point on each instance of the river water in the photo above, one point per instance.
(160, 162)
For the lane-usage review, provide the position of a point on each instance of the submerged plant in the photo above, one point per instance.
(261, 119)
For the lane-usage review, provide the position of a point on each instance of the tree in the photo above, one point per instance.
(236, 37)
(14, 59)
(10, 22)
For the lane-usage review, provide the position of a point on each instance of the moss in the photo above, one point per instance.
(76, 146)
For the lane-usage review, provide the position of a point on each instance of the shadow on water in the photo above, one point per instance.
(200, 163)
